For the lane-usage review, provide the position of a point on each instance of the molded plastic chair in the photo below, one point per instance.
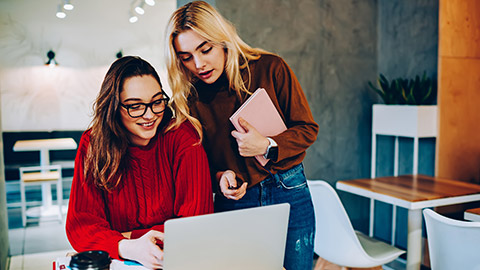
(38, 175)
(335, 239)
(452, 244)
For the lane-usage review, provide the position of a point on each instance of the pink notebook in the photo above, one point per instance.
(259, 111)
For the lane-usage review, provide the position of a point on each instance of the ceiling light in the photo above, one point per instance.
(60, 13)
(150, 2)
(133, 18)
(67, 5)
(139, 9)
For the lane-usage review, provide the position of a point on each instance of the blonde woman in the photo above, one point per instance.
(213, 72)
(135, 168)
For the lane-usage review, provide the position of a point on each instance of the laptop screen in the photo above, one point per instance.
(252, 238)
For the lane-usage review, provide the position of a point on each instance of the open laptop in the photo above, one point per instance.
(252, 238)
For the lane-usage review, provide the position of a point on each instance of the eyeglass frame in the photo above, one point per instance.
(166, 99)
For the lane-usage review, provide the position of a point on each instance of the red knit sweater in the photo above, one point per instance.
(166, 179)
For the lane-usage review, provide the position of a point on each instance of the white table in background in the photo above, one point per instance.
(44, 146)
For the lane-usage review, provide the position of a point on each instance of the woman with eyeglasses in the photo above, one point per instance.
(212, 70)
(136, 167)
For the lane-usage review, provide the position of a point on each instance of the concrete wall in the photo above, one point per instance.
(408, 37)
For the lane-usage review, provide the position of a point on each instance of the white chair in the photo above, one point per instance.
(38, 175)
(335, 239)
(452, 244)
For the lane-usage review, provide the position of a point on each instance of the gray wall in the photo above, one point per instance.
(335, 47)
(183, 2)
(408, 37)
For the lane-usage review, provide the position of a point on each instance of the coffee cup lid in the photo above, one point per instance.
(92, 259)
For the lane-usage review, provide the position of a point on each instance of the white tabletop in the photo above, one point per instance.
(45, 144)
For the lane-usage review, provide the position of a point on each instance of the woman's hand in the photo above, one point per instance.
(251, 143)
(228, 185)
(143, 250)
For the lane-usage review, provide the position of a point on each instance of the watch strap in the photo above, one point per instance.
(272, 149)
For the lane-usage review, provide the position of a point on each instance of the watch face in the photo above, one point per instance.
(272, 153)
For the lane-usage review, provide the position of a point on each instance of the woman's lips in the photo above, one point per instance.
(147, 125)
(205, 75)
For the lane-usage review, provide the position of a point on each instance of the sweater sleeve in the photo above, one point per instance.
(301, 128)
(87, 226)
(193, 188)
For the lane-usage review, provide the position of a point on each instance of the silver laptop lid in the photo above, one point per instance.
(252, 238)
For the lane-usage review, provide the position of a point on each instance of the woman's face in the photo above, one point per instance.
(203, 58)
(137, 90)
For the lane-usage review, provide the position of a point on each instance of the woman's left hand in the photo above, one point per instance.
(143, 250)
(251, 143)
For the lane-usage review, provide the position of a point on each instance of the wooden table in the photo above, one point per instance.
(413, 192)
(472, 214)
(44, 146)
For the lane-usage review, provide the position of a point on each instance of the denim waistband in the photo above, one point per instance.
(280, 175)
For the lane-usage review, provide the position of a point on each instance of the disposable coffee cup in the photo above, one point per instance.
(91, 260)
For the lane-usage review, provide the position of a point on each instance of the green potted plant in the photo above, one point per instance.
(404, 91)
(409, 111)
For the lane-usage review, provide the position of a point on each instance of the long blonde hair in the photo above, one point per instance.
(207, 22)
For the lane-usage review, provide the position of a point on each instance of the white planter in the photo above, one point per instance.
(405, 120)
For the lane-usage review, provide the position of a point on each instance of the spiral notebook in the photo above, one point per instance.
(260, 112)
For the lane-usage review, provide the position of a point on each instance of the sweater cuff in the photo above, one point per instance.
(140, 232)
(113, 248)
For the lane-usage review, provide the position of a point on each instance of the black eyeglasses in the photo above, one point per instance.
(139, 109)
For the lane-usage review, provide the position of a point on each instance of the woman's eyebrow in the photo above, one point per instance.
(132, 99)
(197, 48)
(157, 94)
(139, 99)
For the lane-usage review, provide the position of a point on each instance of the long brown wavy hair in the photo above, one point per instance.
(107, 152)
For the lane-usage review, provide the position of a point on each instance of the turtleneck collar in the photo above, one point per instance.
(207, 92)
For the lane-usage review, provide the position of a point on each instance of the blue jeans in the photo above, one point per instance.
(284, 187)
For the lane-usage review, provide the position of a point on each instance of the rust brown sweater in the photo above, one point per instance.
(216, 103)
